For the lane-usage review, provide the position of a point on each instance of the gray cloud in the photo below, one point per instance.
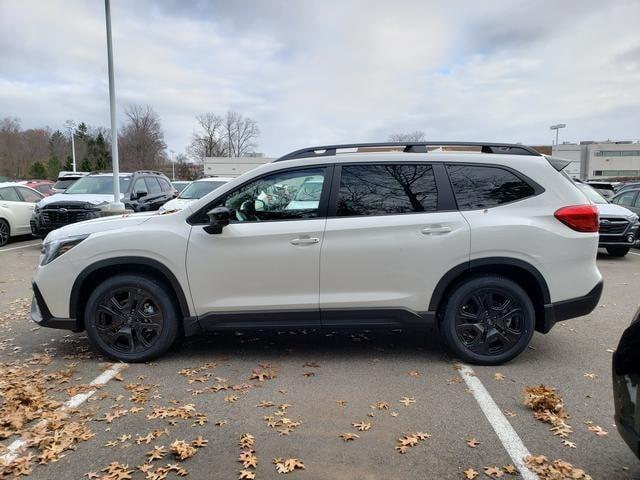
(328, 71)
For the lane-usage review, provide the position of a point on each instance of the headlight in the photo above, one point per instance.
(54, 249)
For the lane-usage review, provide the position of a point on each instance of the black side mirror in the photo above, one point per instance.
(218, 219)
(138, 195)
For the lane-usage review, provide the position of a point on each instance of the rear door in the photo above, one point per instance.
(392, 234)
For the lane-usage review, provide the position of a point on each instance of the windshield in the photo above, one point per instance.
(310, 191)
(591, 194)
(98, 185)
(197, 190)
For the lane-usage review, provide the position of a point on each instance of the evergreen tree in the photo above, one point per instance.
(68, 164)
(53, 168)
(85, 165)
(81, 130)
(38, 171)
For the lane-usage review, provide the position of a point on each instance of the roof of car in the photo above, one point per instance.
(15, 184)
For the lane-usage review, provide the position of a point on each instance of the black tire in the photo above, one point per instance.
(618, 251)
(119, 315)
(474, 330)
(5, 232)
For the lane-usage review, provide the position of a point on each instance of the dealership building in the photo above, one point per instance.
(593, 160)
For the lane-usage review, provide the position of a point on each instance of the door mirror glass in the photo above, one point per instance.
(218, 219)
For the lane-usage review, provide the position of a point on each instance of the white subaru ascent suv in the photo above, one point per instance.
(482, 242)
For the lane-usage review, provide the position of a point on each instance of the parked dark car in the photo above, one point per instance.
(626, 186)
(89, 196)
(626, 385)
(628, 198)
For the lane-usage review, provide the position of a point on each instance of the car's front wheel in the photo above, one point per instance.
(617, 251)
(488, 320)
(132, 318)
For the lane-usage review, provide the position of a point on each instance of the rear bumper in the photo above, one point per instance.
(41, 315)
(566, 309)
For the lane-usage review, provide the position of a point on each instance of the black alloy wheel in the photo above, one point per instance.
(129, 320)
(132, 318)
(4, 232)
(488, 320)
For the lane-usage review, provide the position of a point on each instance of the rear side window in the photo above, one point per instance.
(386, 190)
(166, 186)
(478, 186)
(9, 194)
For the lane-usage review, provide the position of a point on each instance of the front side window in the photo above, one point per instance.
(289, 195)
(625, 199)
(152, 185)
(386, 189)
(478, 186)
(140, 188)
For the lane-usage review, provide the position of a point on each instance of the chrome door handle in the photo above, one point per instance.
(436, 230)
(305, 241)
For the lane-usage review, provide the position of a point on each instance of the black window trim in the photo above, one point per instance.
(537, 188)
(322, 205)
(445, 201)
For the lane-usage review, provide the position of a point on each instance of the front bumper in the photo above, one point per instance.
(41, 315)
(566, 309)
(628, 238)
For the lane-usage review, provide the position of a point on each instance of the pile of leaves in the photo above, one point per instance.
(247, 457)
(28, 408)
(410, 440)
(279, 422)
(548, 407)
(557, 470)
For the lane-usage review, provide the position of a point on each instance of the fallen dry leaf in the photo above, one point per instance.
(361, 426)
(349, 436)
(288, 465)
(407, 401)
(493, 472)
(470, 474)
(558, 470)
(598, 430)
(498, 376)
(473, 443)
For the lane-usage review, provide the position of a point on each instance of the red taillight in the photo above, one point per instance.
(581, 218)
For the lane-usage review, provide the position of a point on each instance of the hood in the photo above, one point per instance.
(102, 224)
(76, 197)
(613, 210)
(176, 204)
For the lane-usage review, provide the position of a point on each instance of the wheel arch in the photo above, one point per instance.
(95, 273)
(521, 272)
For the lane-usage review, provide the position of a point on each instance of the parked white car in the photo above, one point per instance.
(17, 203)
(484, 246)
(194, 191)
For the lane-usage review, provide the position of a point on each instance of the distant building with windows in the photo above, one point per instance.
(232, 166)
(608, 159)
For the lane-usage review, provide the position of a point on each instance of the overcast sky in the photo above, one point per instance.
(318, 72)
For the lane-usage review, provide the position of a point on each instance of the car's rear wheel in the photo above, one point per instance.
(488, 320)
(132, 318)
(618, 251)
(5, 232)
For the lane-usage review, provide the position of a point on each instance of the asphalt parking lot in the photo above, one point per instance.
(297, 392)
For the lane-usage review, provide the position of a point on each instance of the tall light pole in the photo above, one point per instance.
(557, 128)
(71, 125)
(117, 205)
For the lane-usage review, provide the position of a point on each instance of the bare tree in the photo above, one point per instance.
(241, 134)
(416, 136)
(141, 140)
(209, 140)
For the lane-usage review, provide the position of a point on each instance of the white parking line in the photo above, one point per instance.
(21, 246)
(507, 435)
(634, 253)
(73, 402)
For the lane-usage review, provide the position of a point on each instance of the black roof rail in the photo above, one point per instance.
(410, 147)
(155, 172)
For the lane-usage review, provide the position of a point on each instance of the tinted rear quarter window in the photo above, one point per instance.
(387, 189)
(477, 186)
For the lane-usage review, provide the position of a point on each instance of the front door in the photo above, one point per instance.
(263, 269)
(388, 245)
